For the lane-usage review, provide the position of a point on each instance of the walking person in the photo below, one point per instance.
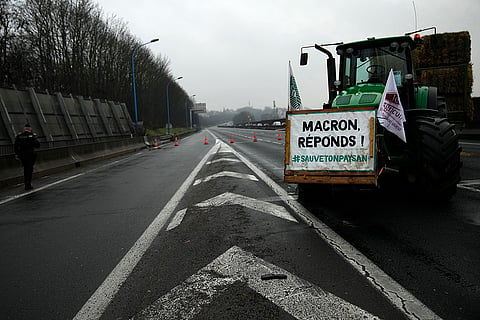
(25, 144)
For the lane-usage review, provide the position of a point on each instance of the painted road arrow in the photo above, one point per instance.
(222, 160)
(227, 199)
(295, 296)
(226, 174)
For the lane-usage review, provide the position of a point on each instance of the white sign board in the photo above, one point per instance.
(332, 141)
(200, 107)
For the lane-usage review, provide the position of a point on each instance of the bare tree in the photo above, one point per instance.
(70, 46)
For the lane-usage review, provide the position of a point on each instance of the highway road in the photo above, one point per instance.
(433, 250)
(209, 231)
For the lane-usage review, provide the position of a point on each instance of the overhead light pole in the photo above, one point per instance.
(168, 104)
(134, 51)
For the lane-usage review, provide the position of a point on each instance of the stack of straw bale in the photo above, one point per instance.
(443, 61)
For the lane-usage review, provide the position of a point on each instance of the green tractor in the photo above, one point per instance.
(429, 162)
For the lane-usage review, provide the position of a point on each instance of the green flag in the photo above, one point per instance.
(294, 102)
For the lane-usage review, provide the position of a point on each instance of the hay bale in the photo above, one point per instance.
(460, 103)
(443, 61)
(443, 49)
(449, 80)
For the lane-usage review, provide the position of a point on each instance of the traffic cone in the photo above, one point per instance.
(279, 136)
(254, 137)
(205, 141)
(155, 143)
(231, 139)
(176, 142)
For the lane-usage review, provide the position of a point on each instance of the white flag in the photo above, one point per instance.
(390, 112)
(294, 101)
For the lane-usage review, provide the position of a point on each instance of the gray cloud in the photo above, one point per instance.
(232, 53)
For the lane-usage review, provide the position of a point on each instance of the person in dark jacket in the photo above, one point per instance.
(25, 144)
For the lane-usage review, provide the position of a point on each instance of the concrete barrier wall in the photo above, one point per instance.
(60, 120)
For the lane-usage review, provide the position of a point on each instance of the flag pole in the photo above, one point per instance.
(289, 84)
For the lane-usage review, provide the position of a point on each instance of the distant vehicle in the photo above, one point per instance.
(276, 124)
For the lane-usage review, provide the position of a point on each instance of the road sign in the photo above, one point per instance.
(200, 107)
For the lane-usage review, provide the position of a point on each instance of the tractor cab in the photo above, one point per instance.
(370, 61)
(364, 69)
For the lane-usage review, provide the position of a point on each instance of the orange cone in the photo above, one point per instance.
(155, 143)
(279, 136)
(254, 137)
(231, 139)
(176, 142)
(205, 141)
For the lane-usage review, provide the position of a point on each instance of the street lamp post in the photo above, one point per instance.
(134, 51)
(168, 105)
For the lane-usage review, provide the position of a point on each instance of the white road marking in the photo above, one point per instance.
(18, 196)
(40, 188)
(466, 187)
(297, 297)
(223, 160)
(469, 185)
(101, 298)
(469, 182)
(392, 290)
(470, 143)
(228, 198)
(226, 174)
(177, 219)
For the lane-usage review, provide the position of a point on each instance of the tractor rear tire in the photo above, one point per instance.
(435, 151)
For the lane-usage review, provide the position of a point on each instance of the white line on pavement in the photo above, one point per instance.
(176, 220)
(229, 198)
(101, 298)
(222, 160)
(297, 297)
(226, 174)
(392, 290)
(18, 196)
(465, 187)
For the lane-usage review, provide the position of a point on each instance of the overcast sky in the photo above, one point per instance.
(235, 53)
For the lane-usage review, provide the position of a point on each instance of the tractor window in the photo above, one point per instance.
(372, 65)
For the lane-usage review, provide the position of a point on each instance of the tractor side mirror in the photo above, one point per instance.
(303, 58)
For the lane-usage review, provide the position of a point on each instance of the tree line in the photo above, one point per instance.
(72, 47)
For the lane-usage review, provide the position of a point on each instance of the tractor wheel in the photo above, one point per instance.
(435, 153)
